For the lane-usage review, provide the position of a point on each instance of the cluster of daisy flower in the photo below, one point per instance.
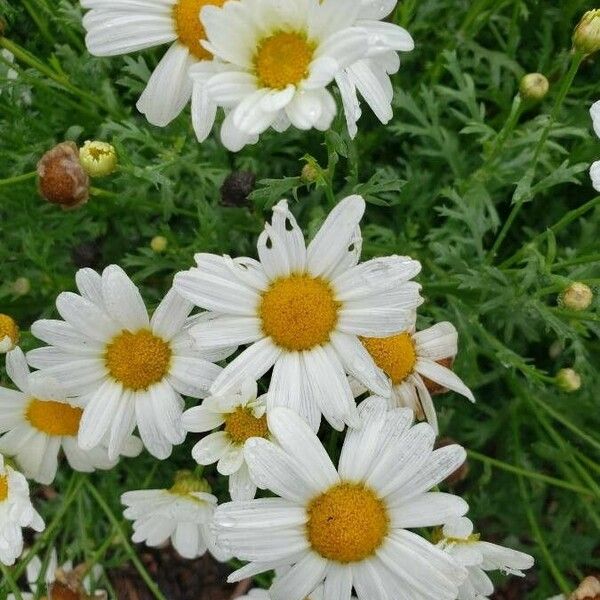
(339, 339)
(266, 63)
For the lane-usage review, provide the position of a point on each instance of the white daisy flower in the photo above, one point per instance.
(16, 511)
(131, 369)
(123, 26)
(277, 59)
(244, 417)
(412, 361)
(302, 310)
(347, 528)
(39, 420)
(595, 168)
(477, 557)
(183, 513)
(370, 76)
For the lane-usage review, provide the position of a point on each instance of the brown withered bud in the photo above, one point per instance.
(433, 387)
(61, 178)
(462, 472)
(237, 187)
(589, 589)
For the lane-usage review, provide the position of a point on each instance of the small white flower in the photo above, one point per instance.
(477, 557)
(302, 310)
(40, 420)
(370, 76)
(126, 26)
(274, 62)
(130, 369)
(244, 417)
(16, 512)
(411, 361)
(347, 528)
(595, 168)
(183, 513)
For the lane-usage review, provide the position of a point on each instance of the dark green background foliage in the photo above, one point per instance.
(464, 179)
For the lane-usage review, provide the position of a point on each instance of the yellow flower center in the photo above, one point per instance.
(9, 329)
(283, 59)
(187, 483)
(347, 523)
(54, 418)
(395, 355)
(299, 312)
(241, 425)
(188, 26)
(3, 487)
(138, 360)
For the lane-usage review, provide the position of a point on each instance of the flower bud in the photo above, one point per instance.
(237, 187)
(589, 589)
(9, 333)
(576, 296)
(21, 286)
(159, 243)
(586, 38)
(310, 173)
(186, 482)
(568, 380)
(534, 87)
(61, 178)
(98, 158)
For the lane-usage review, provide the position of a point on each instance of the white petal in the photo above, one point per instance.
(595, 175)
(170, 315)
(427, 510)
(224, 330)
(301, 579)
(211, 448)
(123, 299)
(437, 342)
(445, 377)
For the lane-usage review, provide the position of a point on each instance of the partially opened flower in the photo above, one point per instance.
(347, 528)
(130, 369)
(9, 333)
(369, 76)
(123, 26)
(41, 419)
(183, 513)
(595, 169)
(302, 310)
(410, 360)
(16, 512)
(477, 557)
(244, 417)
(275, 60)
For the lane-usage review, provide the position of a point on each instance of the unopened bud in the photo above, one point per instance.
(568, 380)
(589, 589)
(98, 158)
(534, 87)
(586, 38)
(21, 286)
(159, 244)
(237, 187)
(9, 334)
(61, 178)
(576, 296)
(310, 173)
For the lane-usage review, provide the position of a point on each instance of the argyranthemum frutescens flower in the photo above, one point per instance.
(123, 26)
(410, 360)
(347, 528)
(274, 62)
(302, 310)
(370, 76)
(40, 419)
(131, 369)
(595, 169)
(478, 557)
(16, 512)
(183, 513)
(244, 417)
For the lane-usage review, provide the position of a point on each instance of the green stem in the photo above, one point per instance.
(12, 584)
(128, 547)
(567, 485)
(564, 90)
(18, 178)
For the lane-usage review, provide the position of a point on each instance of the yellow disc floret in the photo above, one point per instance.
(283, 59)
(188, 26)
(138, 360)
(241, 425)
(9, 333)
(395, 355)
(299, 312)
(3, 487)
(54, 418)
(347, 523)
